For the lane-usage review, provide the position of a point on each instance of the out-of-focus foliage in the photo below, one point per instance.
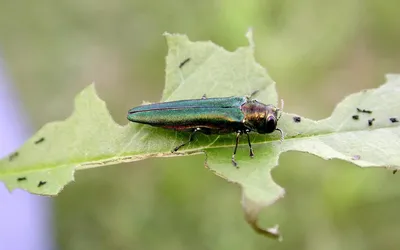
(317, 52)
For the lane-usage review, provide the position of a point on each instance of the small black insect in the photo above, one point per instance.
(394, 171)
(41, 183)
(393, 120)
(364, 111)
(297, 119)
(184, 62)
(13, 156)
(40, 140)
(21, 179)
(355, 117)
(370, 121)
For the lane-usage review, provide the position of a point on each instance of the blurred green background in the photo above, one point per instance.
(317, 51)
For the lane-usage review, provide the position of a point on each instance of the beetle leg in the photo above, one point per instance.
(234, 151)
(280, 130)
(190, 139)
(251, 148)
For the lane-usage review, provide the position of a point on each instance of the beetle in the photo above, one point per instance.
(223, 115)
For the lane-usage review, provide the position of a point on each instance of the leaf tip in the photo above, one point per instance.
(252, 209)
(173, 38)
(272, 232)
(89, 90)
(87, 97)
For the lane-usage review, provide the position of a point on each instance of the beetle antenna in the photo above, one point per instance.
(281, 109)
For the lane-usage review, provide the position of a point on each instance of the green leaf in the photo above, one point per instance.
(369, 141)
(340, 136)
(90, 137)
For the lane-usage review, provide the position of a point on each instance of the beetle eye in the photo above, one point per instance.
(270, 124)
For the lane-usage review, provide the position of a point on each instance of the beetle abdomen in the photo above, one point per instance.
(187, 118)
(221, 115)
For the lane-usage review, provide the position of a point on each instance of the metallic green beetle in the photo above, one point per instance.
(239, 115)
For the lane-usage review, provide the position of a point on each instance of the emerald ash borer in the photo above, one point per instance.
(224, 115)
